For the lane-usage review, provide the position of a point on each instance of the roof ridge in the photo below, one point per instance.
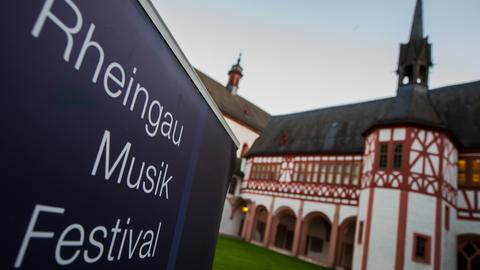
(336, 106)
(456, 85)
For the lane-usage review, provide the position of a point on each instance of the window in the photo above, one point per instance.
(462, 172)
(421, 248)
(331, 171)
(301, 174)
(265, 171)
(447, 218)
(233, 185)
(360, 232)
(323, 173)
(296, 171)
(346, 174)
(383, 159)
(338, 178)
(476, 172)
(397, 156)
(356, 173)
(315, 172)
(308, 177)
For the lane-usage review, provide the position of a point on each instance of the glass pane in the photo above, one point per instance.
(383, 156)
(476, 172)
(323, 171)
(346, 175)
(397, 156)
(462, 165)
(330, 173)
(338, 179)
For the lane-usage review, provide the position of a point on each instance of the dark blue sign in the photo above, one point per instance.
(111, 157)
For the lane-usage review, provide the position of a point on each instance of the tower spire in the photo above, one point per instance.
(417, 24)
(415, 56)
(235, 74)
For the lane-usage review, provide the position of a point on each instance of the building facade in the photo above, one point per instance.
(385, 184)
(247, 122)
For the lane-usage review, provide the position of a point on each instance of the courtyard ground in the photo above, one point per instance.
(232, 254)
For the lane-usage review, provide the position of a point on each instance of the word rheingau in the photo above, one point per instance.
(136, 97)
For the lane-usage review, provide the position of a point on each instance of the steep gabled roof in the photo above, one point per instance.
(339, 129)
(235, 106)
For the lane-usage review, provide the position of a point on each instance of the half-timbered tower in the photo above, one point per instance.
(385, 184)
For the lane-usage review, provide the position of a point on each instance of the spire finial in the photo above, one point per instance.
(417, 25)
(239, 58)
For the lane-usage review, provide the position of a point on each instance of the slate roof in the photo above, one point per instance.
(235, 106)
(339, 129)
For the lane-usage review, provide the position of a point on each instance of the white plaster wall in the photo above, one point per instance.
(230, 226)
(420, 219)
(347, 211)
(243, 134)
(463, 226)
(449, 241)
(326, 208)
(259, 199)
(362, 216)
(383, 231)
(292, 203)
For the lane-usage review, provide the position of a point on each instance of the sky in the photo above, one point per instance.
(302, 55)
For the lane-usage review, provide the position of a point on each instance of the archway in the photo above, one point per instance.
(468, 252)
(261, 217)
(315, 240)
(346, 243)
(284, 228)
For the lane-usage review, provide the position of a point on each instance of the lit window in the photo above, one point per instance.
(421, 248)
(383, 159)
(346, 174)
(476, 172)
(462, 172)
(397, 156)
(338, 178)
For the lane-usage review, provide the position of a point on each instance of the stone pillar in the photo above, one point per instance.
(298, 231)
(303, 238)
(251, 223)
(268, 226)
(273, 234)
(333, 238)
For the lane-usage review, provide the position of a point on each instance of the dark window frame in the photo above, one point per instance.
(397, 158)
(383, 156)
(418, 238)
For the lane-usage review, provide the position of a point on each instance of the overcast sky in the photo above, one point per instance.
(301, 55)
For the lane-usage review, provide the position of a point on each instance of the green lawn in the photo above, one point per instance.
(237, 255)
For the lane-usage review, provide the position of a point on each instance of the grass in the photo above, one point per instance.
(234, 254)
